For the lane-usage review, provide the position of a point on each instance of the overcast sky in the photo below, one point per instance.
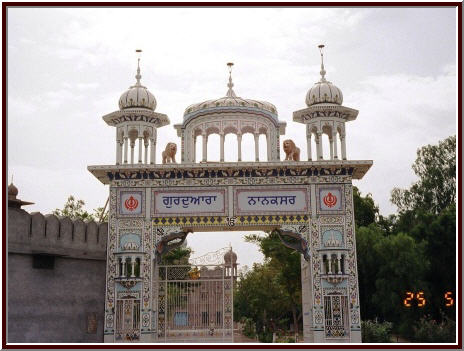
(68, 67)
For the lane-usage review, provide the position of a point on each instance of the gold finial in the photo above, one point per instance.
(230, 92)
(323, 72)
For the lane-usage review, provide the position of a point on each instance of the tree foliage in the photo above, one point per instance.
(74, 209)
(435, 190)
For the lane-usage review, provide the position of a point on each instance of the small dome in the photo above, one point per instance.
(324, 92)
(137, 95)
(12, 191)
(228, 255)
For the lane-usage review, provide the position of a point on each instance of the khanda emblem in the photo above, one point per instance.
(131, 203)
(330, 200)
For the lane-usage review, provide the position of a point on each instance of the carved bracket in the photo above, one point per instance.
(290, 236)
(169, 242)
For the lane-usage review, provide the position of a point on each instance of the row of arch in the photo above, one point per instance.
(206, 147)
(126, 140)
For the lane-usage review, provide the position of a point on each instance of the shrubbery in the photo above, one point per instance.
(429, 330)
(373, 331)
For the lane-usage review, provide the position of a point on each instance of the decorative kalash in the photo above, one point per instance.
(153, 207)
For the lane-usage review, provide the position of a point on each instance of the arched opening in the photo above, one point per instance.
(213, 147)
(248, 147)
(263, 148)
(230, 148)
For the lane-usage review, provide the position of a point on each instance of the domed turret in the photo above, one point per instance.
(136, 120)
(325, 114)
(13, 201)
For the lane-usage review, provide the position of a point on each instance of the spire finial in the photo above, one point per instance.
(230, 92)
(11, 179)
(138, 75)
(323, 72)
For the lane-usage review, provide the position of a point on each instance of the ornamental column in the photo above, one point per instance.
(335, 151)
(222, 147)
(342, 139)
(140, 148)
(239, 142)
(319, 145)
(194, 153)
(118, 152)
(126, 142)
(146, 143)
(132, 146)
(153, 151)
(331, 141)
(205, 149)
(256, 147)
(308, 146)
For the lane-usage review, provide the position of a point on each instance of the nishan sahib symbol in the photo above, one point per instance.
(131, 203)
(330, 200)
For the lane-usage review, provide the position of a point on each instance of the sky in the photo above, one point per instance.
(68, 67)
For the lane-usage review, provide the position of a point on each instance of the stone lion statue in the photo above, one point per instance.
(169, 154)
(291, 151)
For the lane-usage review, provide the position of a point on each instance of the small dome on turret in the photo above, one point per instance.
(324, 92)
(137, 95)
(228, 255)
(12, 191)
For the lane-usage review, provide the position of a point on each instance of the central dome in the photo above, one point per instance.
(230, 102)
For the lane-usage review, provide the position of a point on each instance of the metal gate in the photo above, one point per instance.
(195, 301)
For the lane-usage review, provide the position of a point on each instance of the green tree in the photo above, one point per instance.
(435, 190)
(286, 264)
(365, 210)
(74, 209)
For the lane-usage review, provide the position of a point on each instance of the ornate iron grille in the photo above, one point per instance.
(195, 303)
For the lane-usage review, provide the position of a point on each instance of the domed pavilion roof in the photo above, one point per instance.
(230, 102)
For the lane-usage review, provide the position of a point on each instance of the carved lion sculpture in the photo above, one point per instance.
(169, 154)
(291, 151)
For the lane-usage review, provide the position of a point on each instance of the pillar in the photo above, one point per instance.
(222, 147)
(123, 267)
(342, 139)
(140, 149)
(239, 142)
(132, 146)
(126, 142)
(339, 264)
(329, 258)
(194, 153)
(268, 144)
(132, 266)
(153, 151)
(118, 152)
(331, 147)
(335, 149)
(256, 147)
(205, 148)
(319, 145)
(308, 145)
(146, 143)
